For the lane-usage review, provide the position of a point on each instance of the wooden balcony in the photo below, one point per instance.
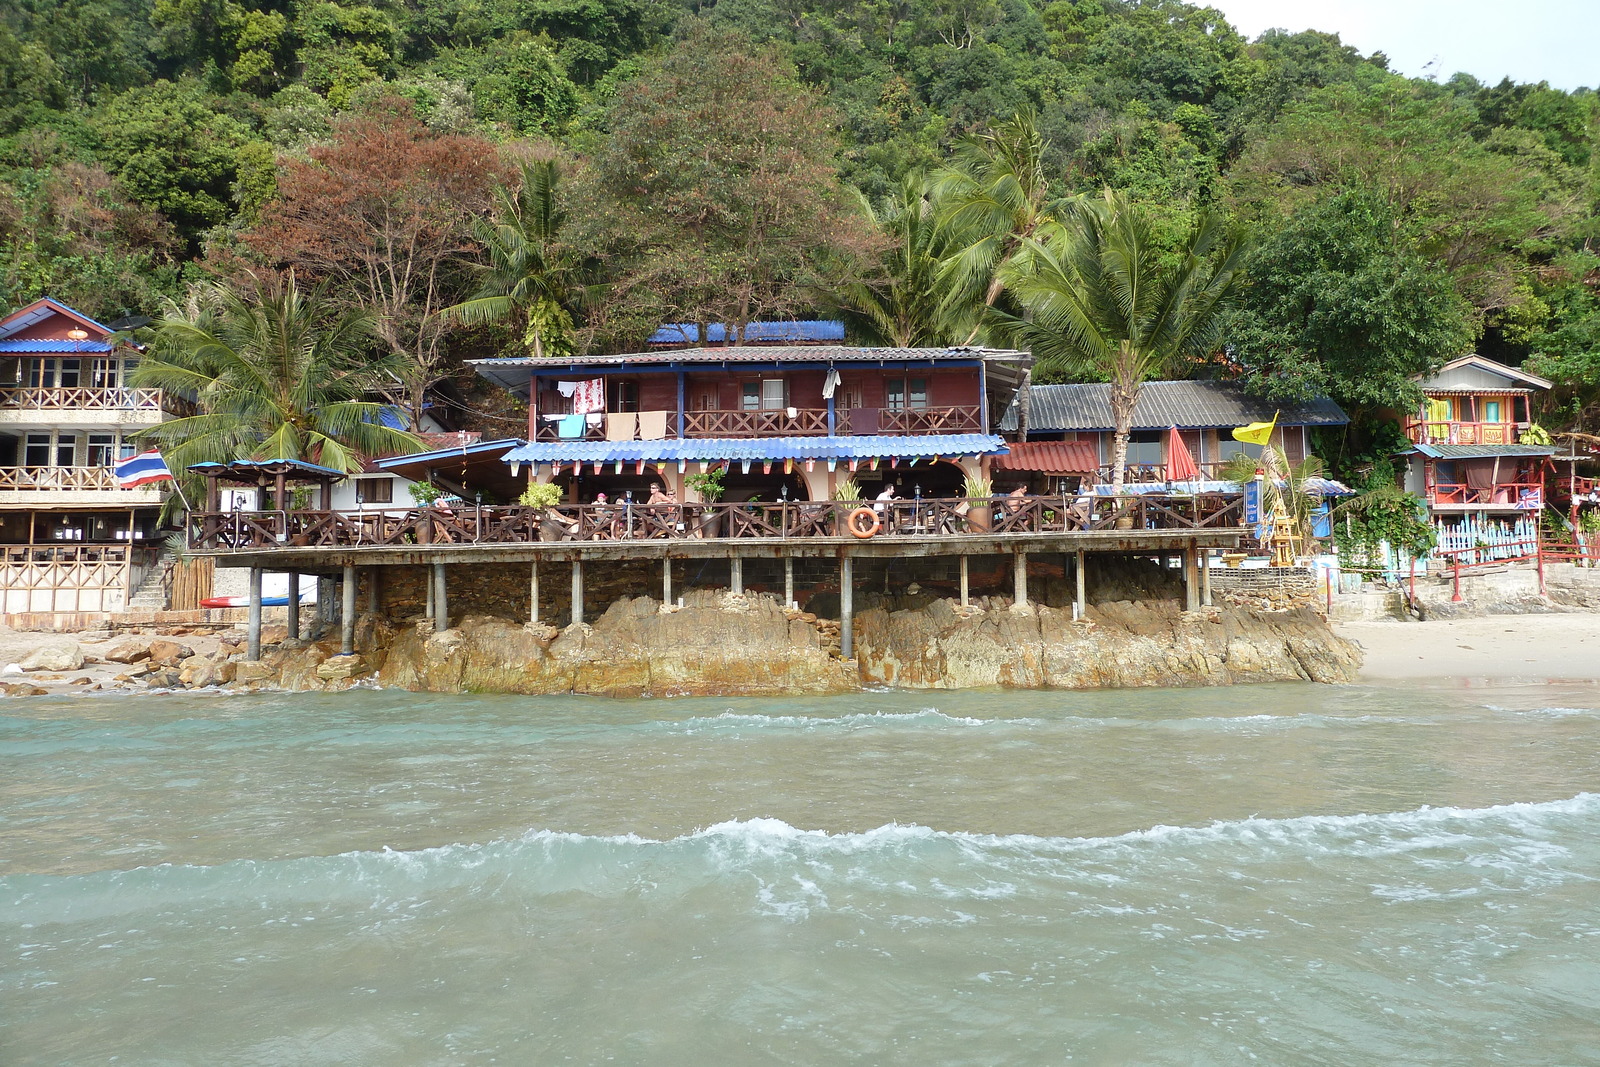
(1433, 432)
(57, 478)
(1502, 496)
(806, 422)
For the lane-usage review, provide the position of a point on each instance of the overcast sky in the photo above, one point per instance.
(1557, 41)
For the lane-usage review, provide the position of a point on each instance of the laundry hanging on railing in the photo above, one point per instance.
(589, 396)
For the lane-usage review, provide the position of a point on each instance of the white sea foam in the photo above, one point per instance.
(925, 717)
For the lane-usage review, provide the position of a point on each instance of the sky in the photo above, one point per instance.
(1557, 41)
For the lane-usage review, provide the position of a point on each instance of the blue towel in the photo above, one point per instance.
(571, 426)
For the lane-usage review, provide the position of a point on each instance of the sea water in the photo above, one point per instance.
(1280, 875)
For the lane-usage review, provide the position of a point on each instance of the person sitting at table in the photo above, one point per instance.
(661, 496)
(1014, 499)
(884, 498)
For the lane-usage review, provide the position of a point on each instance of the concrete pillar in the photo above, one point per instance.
(1191, 579)
(666, 580)
(347, 618)
(1080, 605)
(441, 600)
(736, 574)
(252, 645)
(1205, 578)
(846, 608)
(964, 597)
(1019, 579)
(374, 589)
(427, 593)
(788, 581)
(293, 617)
(577, 590)
(533, 590)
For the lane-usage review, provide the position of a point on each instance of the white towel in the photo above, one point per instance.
(794, 413)
(567, 388)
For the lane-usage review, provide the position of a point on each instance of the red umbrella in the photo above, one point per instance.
(1180, 464)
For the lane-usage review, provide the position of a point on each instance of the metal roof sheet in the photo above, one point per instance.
(687, 333)
(1186, 405)
(1051, 457)
(1478, 451)
(42, 345)
(696, 449)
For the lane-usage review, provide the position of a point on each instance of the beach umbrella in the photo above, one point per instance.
(1180, 464)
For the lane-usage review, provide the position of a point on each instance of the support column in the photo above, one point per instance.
(252, 646)
(441, 600)
(293, 618)
(427, 594)
(533, 591)
(964, 587)
(374, 589)
(1019, 579)
(1191, 579)
(1080, 605)
(577, 590)
(1205, 579)
(736, 573)
(666, 581)
(788, 582)
(347, 620)
(846, 608)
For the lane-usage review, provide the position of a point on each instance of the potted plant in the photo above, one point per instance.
(709, 486)
(423, 494)
(542, 496)
(980, 514)
(847, 490)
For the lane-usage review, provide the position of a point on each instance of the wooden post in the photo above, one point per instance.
(1191, 579)
(788, 582)
(1019, 579)
(347, 619)
(1080, 605)
(736, 574)
(666, 580)
(577, 590)
(964, 597)
(533, 590)
(441, 600)
(846, 608)
(293, 618)
(252, 647)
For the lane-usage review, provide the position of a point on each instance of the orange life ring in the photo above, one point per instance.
(864, 529)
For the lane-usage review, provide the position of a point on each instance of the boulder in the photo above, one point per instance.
(168, 653)
(60, 654)
(251, 670)
(22, 689)
(340, 667)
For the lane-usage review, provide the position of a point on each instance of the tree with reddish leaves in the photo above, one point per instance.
(384, 213)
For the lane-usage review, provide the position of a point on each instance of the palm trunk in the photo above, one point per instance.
(1124, 395)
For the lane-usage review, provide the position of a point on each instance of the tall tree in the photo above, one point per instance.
(1103, 300)
(384, 212)
(276, 372)
(533, 277)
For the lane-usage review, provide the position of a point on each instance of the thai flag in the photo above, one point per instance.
(143, 469)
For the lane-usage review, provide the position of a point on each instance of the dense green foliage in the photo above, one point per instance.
(716, 154)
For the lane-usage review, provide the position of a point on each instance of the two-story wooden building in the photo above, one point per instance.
(73, 541)
(787, 422)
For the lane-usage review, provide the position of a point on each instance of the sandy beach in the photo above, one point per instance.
(1560, 647)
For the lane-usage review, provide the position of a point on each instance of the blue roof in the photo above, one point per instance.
(696, 449)
(687, 333)
(1479, 451)
(40, 310)
(54, 346)
(252, 464)
(457, 451)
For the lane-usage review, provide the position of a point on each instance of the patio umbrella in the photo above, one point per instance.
(1180, 464)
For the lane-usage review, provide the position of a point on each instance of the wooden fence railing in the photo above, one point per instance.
(944, 517)
(56, 579)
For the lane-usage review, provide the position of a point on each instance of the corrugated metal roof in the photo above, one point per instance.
(1186, 405)
(687, 333)
(1478, 451)
(86, 347)
(1051, 457)
(695, 449)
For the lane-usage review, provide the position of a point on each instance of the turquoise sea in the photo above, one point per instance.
(1286, 875)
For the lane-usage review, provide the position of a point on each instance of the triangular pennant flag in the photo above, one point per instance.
(766, 468)
(874, 462)
(744, 466)
(833, 465)
(598, 466)
(811, 465)
(616, 468)
(683, 465)
(638, 468)
(894, 462)
(788, 466)
(853, 464)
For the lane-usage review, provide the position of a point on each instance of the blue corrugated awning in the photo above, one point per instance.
(697, 449)
(53, 346)
(270, 466)
(1479, 451)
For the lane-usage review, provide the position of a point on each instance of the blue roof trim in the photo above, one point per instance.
(687, 333)
(54, 346)
(696, 449)
(1480, 451)
(238, 464)
(446, 453)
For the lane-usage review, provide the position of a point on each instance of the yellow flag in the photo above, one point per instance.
(1257, 433)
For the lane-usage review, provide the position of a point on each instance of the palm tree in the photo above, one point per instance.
(276, 373)
(905, 306)
(991, 202)
(1102, 300)
(532, 277)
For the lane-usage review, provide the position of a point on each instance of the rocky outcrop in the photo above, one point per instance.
(715, 644)
(1120, 644)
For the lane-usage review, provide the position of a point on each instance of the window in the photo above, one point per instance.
(55, 373)
(907, 393)
(622, 396)
(102, 450)
(1491, 411)
(37, 452)
(105, 373)
(1144, 448)
(374, 490)
(50, 450)
(768, 394)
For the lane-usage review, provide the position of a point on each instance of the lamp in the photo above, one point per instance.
(78, 334)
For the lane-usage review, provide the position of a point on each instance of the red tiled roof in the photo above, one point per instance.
(1051, 457)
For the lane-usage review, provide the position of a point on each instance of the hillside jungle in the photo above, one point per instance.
(483, 177)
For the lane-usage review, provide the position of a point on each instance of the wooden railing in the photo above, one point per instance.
(805, 422)
(1438, 432)
(88, 398)
(958, 419)
(67, 578)
(57, 478)
(514, 524)
(1526, 495)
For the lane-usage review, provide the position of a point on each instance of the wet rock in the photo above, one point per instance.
(58, 655)
(22, 689)
(252, 670)
(169, 653)
(340, 667)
